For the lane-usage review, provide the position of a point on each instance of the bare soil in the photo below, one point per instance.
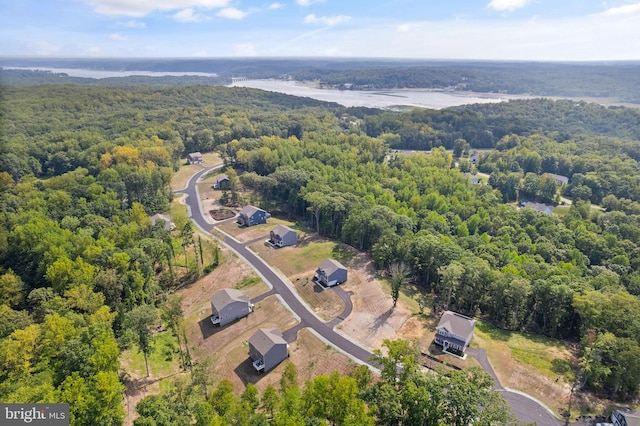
(222, 214)
(374, 318)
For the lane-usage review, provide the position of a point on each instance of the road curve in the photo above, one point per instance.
(277, 283)
(523, 407)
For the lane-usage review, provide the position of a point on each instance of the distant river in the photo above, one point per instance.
(379, 98)
(87, 73)
(369, 98)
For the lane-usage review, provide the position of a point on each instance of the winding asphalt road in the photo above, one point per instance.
(277, 283)
(525, 408)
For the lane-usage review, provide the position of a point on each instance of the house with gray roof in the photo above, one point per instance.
(168, 225)
(251, 215)
(539, 207)
(267, 348)
(330, 273)
(228, 305)
(560, 180)
(195, 158)
(454, 332)
(625, 417)
(282, 236)
(222, 182)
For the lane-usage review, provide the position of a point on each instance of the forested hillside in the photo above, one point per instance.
(83, 270)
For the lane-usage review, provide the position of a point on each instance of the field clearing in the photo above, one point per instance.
(164, 358)
(181, 177)
(537, 365)
(248, 233)
(302, 259)
(227, 346)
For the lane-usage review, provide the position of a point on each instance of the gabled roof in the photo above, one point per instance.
(282, 230)
(457, 324)
(250, 210)
(266, 338)
(221, 178)
(227, 296)
(540, 207)
(329, 266)
(563, 179)
(195, 154)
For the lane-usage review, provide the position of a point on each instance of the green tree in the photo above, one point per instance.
(138, 322)
(398, 278)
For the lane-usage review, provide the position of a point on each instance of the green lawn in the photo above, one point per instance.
(164, 358)
(547, 356)
(306, 256)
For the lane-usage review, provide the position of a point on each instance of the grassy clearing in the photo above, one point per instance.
(324, 302)
(247, 233)
(181, 177)
(303, 258)
(164, 358)
(547, 356)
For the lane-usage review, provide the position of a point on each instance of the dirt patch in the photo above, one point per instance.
(222, 214)
(374, 318)
(313, 357)
(324, 301)
(513, 374)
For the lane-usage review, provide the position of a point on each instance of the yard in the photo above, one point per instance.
(534, 364)
(181, 177)
(249, 233)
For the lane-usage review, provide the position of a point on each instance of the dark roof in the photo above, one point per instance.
(266, 338)
(282, 230)
(457, 324)
(250, 210)
(563, 179)
(541, 207)
(632, 417)
(329, 266)
(227, 296)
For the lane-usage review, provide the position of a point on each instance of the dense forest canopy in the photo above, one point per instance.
(82, 269)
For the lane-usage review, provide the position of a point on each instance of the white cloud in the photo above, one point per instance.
(189, 15)
(326, 20)
(139, 8)
(274, 6)
(132, 24)
(626, 10)
(308, 2)
(244, 49)
(117, 37)
(407, 27)
(507, 5)
(231, 13)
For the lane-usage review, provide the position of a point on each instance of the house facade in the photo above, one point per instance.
(251, 215)
(331, 272)
(222, 182)
(454, 332)
(194, 158)
(228, 305)
(282, 236)
(267, 349)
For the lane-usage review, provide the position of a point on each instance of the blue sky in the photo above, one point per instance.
(431, 29)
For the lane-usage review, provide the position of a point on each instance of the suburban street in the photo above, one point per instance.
(525, 408)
